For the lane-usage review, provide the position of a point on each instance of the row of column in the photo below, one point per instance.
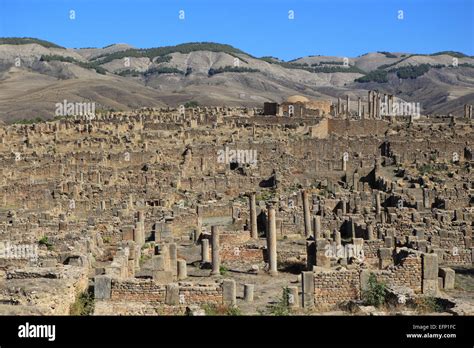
(346, 110)
(271, 240)
(375, 102)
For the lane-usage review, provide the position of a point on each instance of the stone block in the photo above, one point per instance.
(385, 253)
(293, 301)
(307, 285)
(440, 253)
(385, 257)
(158, 263)
(172, 294)
(102, 287)
(389, 242)
(162, 277)
(229, 292)
(127, 233)
(364, 279)
(423, 246)
(468, 242)
(430, 266)
(448, 276)
(420, 234)
(430, 286)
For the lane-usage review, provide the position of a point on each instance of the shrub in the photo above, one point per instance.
(388, 54)
(379, 76)
(166, 50)
(45, 241)
(191, 104)
(27, 40)
(85, 65)
(281, 308)
(163, 70)
(411, 71)
(375, 293)
(427, 304)
(84, 304)
(144, 258)
(223, 270)
(212, 309)
(229, 68)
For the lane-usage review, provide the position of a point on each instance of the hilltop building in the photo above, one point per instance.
(298, 106)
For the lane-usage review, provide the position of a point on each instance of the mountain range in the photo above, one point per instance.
(36, 74)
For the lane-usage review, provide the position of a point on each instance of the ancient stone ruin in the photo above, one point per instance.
(294, 208)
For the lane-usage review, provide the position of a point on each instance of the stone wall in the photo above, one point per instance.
(236, 247)
(358, 127)
(332, 288)
(407, 273)
(137, 290)
(146, 290)
(370, 249)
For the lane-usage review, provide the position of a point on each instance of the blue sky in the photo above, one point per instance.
(259, 27)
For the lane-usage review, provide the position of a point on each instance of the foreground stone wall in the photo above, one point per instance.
(184, 293)
(408, 273)
(331, 288)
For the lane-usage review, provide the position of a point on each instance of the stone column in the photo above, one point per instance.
(248, 292)
(338, 106)
(344, 164)
(374, 104)
(378, 207)
(307, 286)
(307, 221)
(271, 241)
(379, 104)
(292, 299)
(216, 262)
(337, 237)
(370, 232)
(369, 102)
(173, 250)
(430, 274)
(182, 271)
(317, 226)
(205, 251)
(426, 198)
(348, 102)
(139, 233)
(359, 108)
(228, 292)
(253, 217)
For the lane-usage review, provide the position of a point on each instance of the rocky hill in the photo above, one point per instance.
(36, 74)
